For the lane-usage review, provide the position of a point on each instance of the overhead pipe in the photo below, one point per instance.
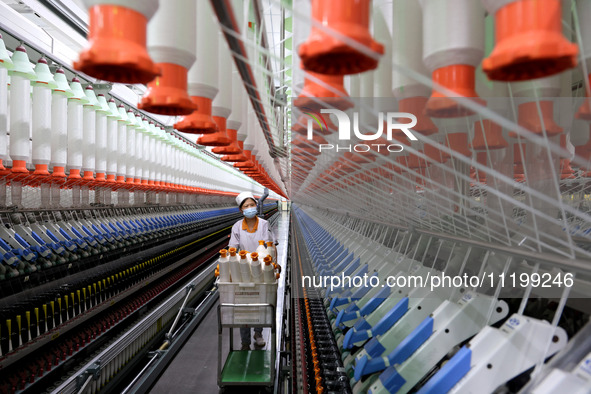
(172, 45)
(117, 41)
(230, 22)
(529, 40)
(453, 46)
(324, 53)
(203, 75)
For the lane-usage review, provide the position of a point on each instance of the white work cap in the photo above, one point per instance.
(243, 196)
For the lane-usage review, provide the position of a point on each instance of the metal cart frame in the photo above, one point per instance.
(221, 326)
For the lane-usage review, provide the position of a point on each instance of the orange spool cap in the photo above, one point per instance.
(220, 137)
(324, 90)
(584, 112)
(488, 135)
(58, 173)
(19, 167)
(529, 40)
(167, 94)
(416, 106)
(200, 120)
(326, 54)
(231, 149)
(435, 153)
(459, 78)
(117, 43)
(529, 118)
(459, 142)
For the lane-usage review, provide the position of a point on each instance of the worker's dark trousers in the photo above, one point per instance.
(245, 334)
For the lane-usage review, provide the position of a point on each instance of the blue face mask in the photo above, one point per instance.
(250, 212)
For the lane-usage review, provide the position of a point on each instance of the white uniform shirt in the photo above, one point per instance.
(242, 239)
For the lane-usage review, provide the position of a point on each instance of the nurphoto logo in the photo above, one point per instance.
(392, 122)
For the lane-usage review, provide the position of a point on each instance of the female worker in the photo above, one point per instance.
(246, 234)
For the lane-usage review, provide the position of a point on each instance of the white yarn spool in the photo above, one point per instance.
(353, 85)
(492, 6)
(3, 113)
(89, 131)
(59, 123)
(41, 125)
(139, 148)
(366, 93)
(112, 138)
(131, 130)
(203, 76)
(180, 170)
(75, 135)
(20, 117)
(407, 48)
(579, 134)
(146, 157)
(235, 118)
(243, 131)
(171, 33)
(153, 160)
(160, 155)
(122, 149)
(254, 141)
(101, 135)
(185, 167)
(301, 30)
(453, 33)
(382, 22)
(174, 162)
(540, 88)
(167, 161)
(222, 104)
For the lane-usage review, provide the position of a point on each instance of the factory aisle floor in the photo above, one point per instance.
(194, 369)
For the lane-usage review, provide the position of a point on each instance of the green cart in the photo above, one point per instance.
(246, 367)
